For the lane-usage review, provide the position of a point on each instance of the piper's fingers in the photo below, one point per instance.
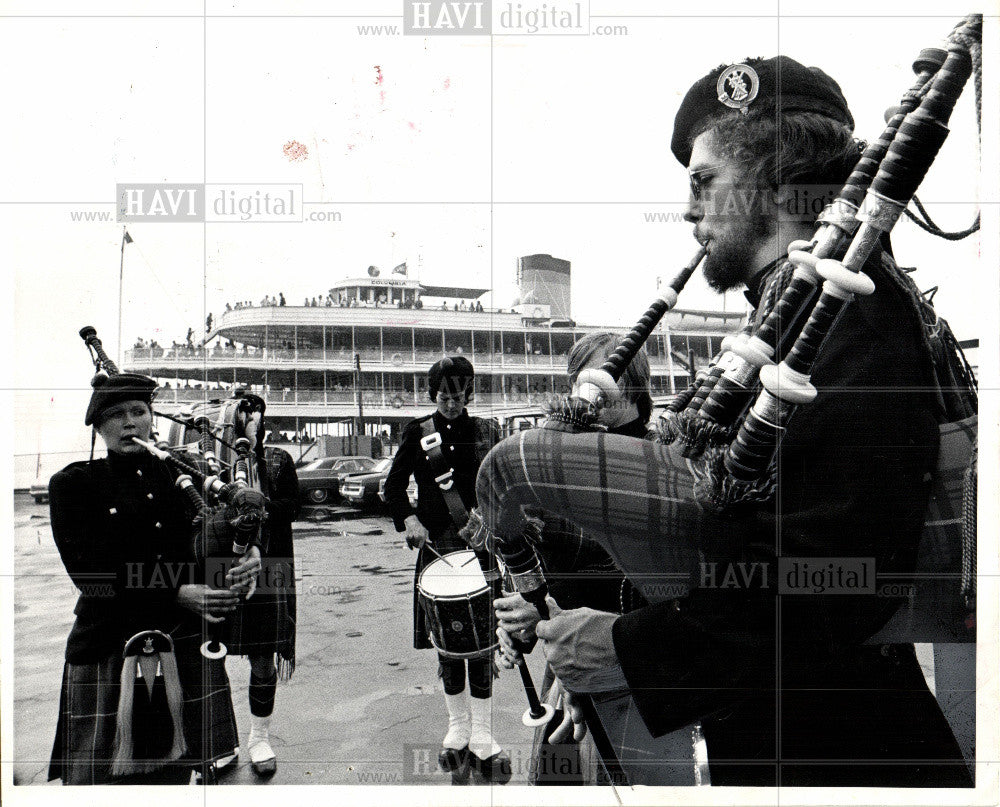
(504, 638)
(517, 624)
(562, 731)
(576, 715)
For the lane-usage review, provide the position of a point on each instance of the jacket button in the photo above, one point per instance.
(138, 472)
(149, 495)
(158, 525)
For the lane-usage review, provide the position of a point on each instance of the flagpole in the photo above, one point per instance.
(121, 278)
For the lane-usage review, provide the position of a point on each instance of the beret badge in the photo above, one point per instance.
(737, 86)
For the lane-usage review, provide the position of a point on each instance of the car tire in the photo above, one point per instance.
(320, 514)
(318, 495)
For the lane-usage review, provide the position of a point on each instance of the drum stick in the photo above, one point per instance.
(435, 552)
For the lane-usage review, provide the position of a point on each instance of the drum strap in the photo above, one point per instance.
(443, 473)
(444, 476)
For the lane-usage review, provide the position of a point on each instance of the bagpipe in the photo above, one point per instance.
(653, 504)
(225, 499)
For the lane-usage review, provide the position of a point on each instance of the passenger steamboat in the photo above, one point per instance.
(356, 363)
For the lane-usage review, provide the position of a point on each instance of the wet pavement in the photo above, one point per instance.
(363, 706)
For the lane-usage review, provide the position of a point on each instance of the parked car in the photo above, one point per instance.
(39, 491)
(411, 491)
(319, 481)
(362, 490)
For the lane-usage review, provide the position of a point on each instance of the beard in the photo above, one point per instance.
(732, 258)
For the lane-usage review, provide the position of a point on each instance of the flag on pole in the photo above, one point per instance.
(399, 270)
(128, 238)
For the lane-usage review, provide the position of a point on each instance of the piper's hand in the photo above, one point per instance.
(514, 614)
(211, 604)
(416, 533)
(509, 657)
(572, 716)
(579, 646)
(242, 578)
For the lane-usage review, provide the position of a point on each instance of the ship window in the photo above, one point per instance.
(457, 342)
(367, 344)
(483, 342)
(338, 340)
(428, 345)
(654, 345)
(699, 345)
(398, 340)
(514, 344)
(561, 343)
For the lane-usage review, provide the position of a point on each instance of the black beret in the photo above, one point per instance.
(781, 83)
(452, 368)
(111, 390)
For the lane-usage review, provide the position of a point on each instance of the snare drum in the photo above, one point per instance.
(458, 606)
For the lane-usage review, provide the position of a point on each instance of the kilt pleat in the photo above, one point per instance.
(265, 623)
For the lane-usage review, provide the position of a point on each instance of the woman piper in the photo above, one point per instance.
(122, 533)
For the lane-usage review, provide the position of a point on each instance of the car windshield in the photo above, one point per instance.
(383, 465)
(355, 464)
(316, 465)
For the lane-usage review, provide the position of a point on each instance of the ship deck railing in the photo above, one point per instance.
(384, 399)
(305, 359)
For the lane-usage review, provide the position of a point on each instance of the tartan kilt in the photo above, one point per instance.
(446, 542)
(88, 706)
(265, 623)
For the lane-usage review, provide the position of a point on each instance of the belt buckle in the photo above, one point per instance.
(445, 481)
(430, 441)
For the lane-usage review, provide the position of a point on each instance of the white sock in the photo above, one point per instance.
(459, 721)
(259, 741)
(482, 743)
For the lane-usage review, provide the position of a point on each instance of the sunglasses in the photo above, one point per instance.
(699, 179)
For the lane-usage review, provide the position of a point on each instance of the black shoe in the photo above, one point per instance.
(495, 769)
(265, 769)
(453, 759)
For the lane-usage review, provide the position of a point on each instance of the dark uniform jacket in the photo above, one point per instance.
(787, 678)
(465, 441)
(125, 538)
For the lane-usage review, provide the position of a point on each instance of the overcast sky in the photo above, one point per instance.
(447, 152)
